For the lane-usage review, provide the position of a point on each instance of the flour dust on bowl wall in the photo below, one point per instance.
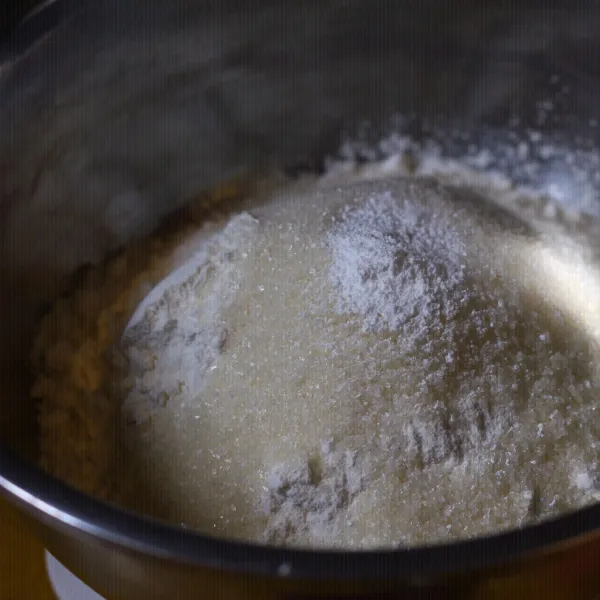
(390, 354)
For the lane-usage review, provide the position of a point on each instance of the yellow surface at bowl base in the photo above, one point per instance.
(22, 568)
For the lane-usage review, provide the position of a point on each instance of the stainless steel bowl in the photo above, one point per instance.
(166, 99)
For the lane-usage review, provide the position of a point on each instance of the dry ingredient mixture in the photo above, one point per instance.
(358, 361)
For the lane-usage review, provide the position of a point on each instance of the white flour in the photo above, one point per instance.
(393, 263)
(169, 350)
(305, 502)
(362, 366)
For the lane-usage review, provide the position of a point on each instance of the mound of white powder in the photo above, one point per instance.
(370, 365)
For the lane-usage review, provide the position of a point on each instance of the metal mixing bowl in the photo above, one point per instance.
(166, 99)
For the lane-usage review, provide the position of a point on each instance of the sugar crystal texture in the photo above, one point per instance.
(372, 364)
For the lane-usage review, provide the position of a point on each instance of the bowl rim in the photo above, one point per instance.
(55, 503)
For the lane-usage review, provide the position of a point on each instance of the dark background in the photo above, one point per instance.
(12, 11)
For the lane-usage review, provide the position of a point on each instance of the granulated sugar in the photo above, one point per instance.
(376, 364)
